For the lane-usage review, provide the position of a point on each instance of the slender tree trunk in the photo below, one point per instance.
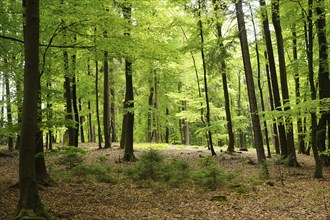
(74, 102)
(208, 120)
(250, 87)
(113, 111)
(81, 121)
(49, 144)
(301, 142)
(106, 103)
(272, 70)
(150, 111)
(29, 204)
(90, 124)
(323, 77)
(259, 83)
(68, 97)
(241, 139)
(231, 139)
(10, 142)
(292, 160)
(99, 134)
(167, 130)
(129, 97)
(158, 137)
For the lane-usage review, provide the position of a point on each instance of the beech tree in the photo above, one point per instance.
(29, 204)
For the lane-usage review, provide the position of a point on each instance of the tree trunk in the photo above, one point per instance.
(208, 120)
(29, 204)
(91, 134)
(150, 111)
(241, 139)
(74, 102)
(113, 111)
(250, 87)
(291, 152)
(272, 70)
(99, 134)
(167, 130)
(259, 82)
(81, 121)
(323, 78)
(301, 142)
(68, 97)
(231, 139)
(106, 103)
(129, 97)
(10, 142)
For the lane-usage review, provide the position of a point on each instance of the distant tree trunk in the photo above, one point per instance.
(323, 77)
(271, 102)
(68, 97)
(10, 142)
(19, 97)
(301, 142)
(157, 131)
(99, 134)
(250, 87)
(49, 144)
(74, 101)
(150, 111)
(41, 172)
(208, 120)
(29, 204)
(259, 81)
(272, 69)
(241, 139)
(186, 127)
(167, 130)
(129, 97)
(113, 111)
(91, 134)
(81, 121)
(231, 139)
(291, 151)
(106, 102)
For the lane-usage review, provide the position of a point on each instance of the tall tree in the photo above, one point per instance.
(323, 76)
(128, 129)
(273, 76)
(106, 101)
(208, 120)
(231, 139)
(29, 204)
(10, 142)
(291, 152)
(250, 87)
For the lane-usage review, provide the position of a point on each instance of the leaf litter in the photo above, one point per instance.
(289, 193)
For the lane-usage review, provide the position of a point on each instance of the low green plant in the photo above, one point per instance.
(210, 175)
(177, 172)
(149, 166)
(69, 156)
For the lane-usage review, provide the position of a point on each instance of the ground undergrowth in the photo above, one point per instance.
(171, 182)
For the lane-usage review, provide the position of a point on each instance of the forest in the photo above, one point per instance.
(169, 109)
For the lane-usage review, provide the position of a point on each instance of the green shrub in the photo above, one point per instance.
(70, 156)
(149, 166)
(177, 172)
(210, 175)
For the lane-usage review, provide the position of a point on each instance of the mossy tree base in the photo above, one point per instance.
(29, 214)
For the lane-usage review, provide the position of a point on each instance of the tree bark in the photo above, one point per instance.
(74, 102)
(129, 97)
(208, 120)
(99, 134)
(291, 152)
(106, 102)
(29, 204)
(91, 134)
(231, 139)
(272, 70)
(323, 77)
(251, 91)
(10, 142)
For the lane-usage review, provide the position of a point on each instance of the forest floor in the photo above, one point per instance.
(289, 193)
